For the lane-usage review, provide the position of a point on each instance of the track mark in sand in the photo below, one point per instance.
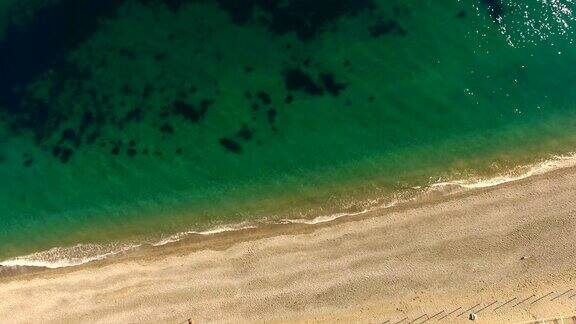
(469, 309)
(452, 312)
(483, 308)
(506, 303)
(562, 294)
(525, 299)
(402, 320)
(431, 317)
(414, 320)
(539, 299)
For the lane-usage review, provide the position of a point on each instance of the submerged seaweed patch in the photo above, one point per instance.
(245, 133)
(332, 86)
(386, 27)
(190, 112)
(49, 34)
(231, 145)
(305, 18)
(297, 80)
(89, 100)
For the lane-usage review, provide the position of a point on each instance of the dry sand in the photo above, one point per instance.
(444, 254)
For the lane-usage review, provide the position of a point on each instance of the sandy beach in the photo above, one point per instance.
(506, 252)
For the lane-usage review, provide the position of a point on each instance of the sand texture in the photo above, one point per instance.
(507, 252)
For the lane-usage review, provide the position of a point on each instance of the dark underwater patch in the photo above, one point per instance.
(190, 112)
(116, 148)
(305, 18)
(231, 145)
(131, 152)
(495, 8)
(42, 44)
(28, 50)
(332, 86)
(386, 27)
(245, 133)
(264, 97)
(271, 115)
(63, 153)
(28, 160)
(297, 80)
(173, 5)
(70, 136)
(166, 128)
(133, 115)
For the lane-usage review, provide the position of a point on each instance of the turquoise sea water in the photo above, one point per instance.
(122, 120)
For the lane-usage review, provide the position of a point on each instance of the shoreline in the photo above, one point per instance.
(63, 257)
(465, 248)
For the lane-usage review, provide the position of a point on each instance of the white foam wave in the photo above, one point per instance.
(221, 229)
(522, 172)
(320, 219)
(61, 257)
(333, 217)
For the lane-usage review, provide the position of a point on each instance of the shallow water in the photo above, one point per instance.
(123, 120)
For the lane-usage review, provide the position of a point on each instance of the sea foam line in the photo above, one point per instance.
(217, 230)
(332, 217)
(557, 162)
(60, 257)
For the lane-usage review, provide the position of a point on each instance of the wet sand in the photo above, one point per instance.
(508, 252)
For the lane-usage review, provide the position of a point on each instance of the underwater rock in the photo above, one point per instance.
(231, 145)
